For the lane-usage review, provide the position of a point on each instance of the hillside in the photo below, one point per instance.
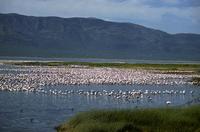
(90, 37)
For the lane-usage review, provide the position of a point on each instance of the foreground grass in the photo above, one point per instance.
(193, 67)
(139, 120)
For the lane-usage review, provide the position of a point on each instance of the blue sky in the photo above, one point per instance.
(172, 16)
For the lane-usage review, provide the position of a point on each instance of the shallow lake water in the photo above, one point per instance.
(42, 111)
(100, 60)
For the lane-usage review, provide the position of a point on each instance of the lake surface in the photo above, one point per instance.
(42, 111)
(99, 60)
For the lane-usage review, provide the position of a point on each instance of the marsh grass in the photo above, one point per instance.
(139, 120)
(172, 67)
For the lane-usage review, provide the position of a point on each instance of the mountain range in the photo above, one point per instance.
(30, 36)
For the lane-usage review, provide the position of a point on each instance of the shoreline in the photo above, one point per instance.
(144, 66)
(98, 60)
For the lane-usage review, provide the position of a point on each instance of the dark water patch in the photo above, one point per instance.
(28, 111)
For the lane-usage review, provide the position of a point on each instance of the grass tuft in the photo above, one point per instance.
(139, 120)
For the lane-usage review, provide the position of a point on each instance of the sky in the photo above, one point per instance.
(172, 16)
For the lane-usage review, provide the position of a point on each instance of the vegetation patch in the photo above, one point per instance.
(138, 120)
(196, 80)
(171, 67)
